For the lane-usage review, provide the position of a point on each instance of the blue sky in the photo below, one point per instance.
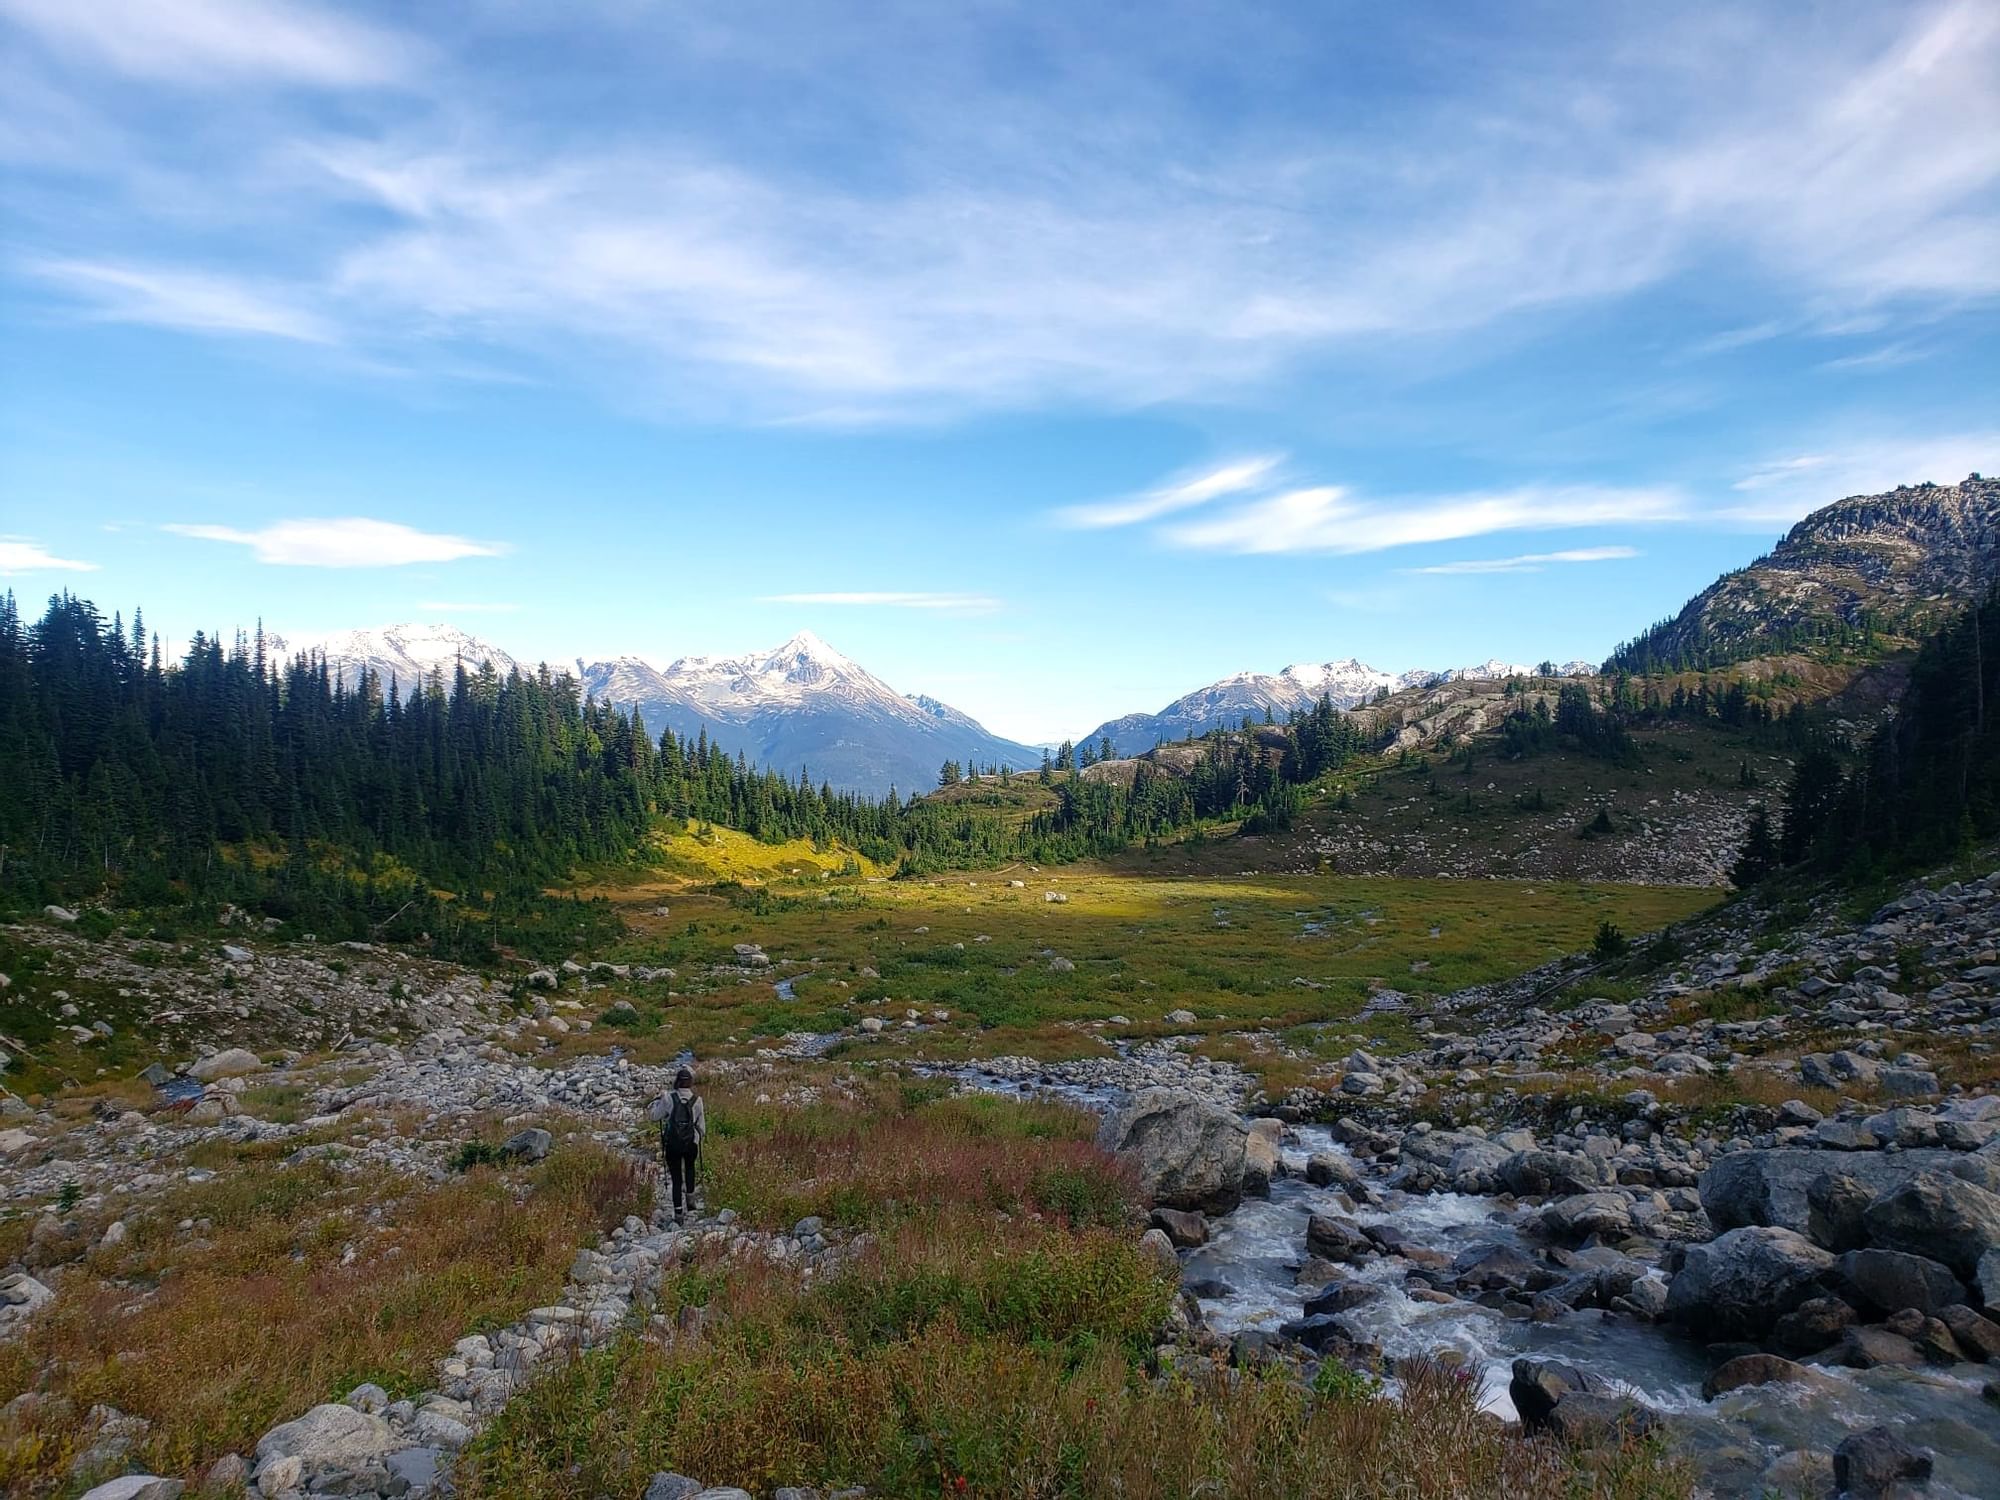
(1050, 359)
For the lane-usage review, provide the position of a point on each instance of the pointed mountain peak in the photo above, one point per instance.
(812, 648)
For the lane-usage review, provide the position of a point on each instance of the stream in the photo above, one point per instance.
(1255, 1253)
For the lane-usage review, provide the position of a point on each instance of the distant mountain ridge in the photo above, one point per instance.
(801, 705)
(1891, 561)
(1346, 683)
(404, 654)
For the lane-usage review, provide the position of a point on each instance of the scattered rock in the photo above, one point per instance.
(1867, 1465)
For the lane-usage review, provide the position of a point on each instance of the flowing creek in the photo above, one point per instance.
(1255, 1253)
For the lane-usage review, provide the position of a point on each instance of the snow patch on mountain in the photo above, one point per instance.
(1347, 684)
(405, 654)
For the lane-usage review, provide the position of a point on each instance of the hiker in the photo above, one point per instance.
(683, 1126)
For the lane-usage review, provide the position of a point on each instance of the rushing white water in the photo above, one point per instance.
(1245, 1278)
(1256, 1251)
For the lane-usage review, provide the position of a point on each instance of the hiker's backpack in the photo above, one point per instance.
(677, 1134)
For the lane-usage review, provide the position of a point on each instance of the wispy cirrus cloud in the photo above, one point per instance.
(980, 260)
(20, 555)
(965, 604)
(343, 542)
(192, 301)
(1529, 562)
(1785, 489)
(1185, 493)
(1330, 518)
(199, 41)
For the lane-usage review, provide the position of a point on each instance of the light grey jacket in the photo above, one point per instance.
(661, 1107)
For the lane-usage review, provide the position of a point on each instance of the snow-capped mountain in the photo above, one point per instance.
(1347, 683)
(404, 654)
(803, 704)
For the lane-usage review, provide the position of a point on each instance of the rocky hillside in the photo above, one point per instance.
(1892, 562)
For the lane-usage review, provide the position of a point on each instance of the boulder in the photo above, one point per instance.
(1937, 1214)
(1330, 1168)
(1757, 1369)
(137, 1487)
(1739, 1284)
(1867, 1465)
(1156, 1248)
(672, 1487)
(1260, 1165)
(1747, 1188)
(1587, 1418)
(1890, 1280)
(1332, 1238)
(1986, 1280)
(1188, 1153)
(1186, 1230)
(1864, 1348)
(232, 1063)
(328, 1437)
(1813, 1325)
(1541, 1173)
(1835, 1203)
(1577, 1218)
(1978, 1336)
(1539, 1385)
(531, 1144)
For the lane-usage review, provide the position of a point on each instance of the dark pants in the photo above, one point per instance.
(680, 1172)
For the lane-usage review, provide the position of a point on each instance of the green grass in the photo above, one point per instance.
(1141, 943)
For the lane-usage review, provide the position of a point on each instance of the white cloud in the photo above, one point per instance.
(1887, 357)
(1185, 493)
(345, 542)
(19, 555)
(194, 301)
(1328, 518)
(1786, 489)
(1530, 562)
(980, 259)
(191, 41)
(954, 603)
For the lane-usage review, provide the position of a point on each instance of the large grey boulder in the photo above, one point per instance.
(1333, 1238)
(672, 1487)
(231, 1063)
(1573, 1219)
(1937, 1214)
(1986, 1280)
(1739, 1284)
(1539, 1385)
(137, 1487)
(1835, 1203)
(1868, 1465)
(329, 1437)
(531, 1144)
(1187, 1152)
(1541, 1173)
(1891, 1280)
(1747, 1188)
